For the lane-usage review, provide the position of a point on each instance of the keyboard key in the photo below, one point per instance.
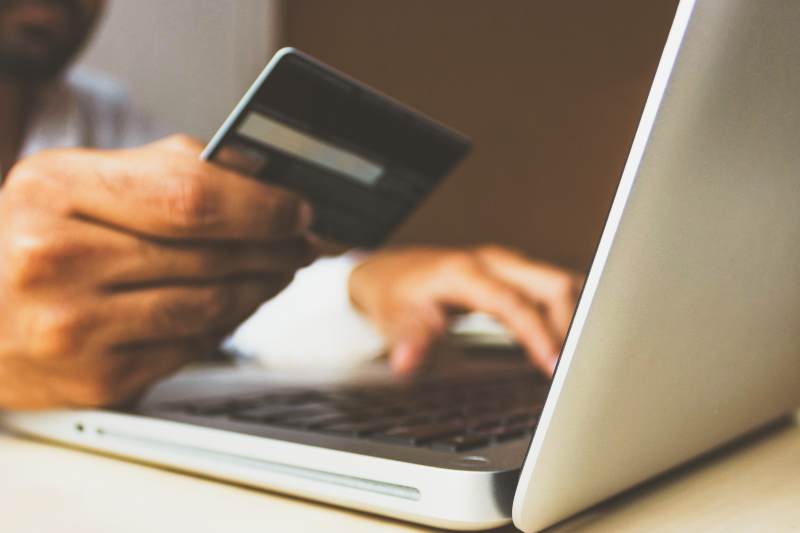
(451, 416)
(532, 423)
(503, 433)
(447, 415)
(209, 409)
(392, 411)
(356, 429)
(479, 424)
(291, 398)
(511, 433)
(460, 443)
(520, 416)
(266, 413)
(420, 434)
(306, 421)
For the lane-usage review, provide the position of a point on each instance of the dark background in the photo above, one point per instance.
(550, 93)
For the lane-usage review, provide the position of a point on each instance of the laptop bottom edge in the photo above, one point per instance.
(452, 498)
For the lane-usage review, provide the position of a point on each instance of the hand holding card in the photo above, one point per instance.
(363, 160)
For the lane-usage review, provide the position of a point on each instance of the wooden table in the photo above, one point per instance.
(751, 486)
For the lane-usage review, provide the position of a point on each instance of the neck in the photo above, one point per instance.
(15, 107)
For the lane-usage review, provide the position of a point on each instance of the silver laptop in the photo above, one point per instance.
(687, 334)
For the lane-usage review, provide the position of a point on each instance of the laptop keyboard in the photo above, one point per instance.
(450, 416)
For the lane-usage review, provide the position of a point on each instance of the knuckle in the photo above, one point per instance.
(182, 142)
(26, 261)
(59, 333)
(215, 263)
(195, 307)
(459, 262)
(26, 174)
(97, 392)
(491, 251)
(564, 286)
(190, 205)
(218, 261)
(167, 314)
(38, 179)
(508, 300)
(283, 211)
(216, 303)
(33, 260)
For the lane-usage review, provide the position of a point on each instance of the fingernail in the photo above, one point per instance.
(402, 358)
(306, 216)
(553, 364)
(396, 364)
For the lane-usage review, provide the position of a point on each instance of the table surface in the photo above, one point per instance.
(753, 485)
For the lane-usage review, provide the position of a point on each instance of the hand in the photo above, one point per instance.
(117, 267)
(408, 294)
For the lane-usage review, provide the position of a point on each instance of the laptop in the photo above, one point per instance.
(686, 335)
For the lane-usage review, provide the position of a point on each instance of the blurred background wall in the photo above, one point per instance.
(550, 92)
(186, 61)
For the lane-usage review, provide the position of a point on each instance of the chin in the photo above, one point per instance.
(34, 63)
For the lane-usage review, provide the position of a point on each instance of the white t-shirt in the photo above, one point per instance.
(311, 323)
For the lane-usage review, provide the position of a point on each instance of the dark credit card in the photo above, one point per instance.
(363, 160)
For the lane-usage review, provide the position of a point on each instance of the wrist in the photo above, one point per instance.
(356, 281)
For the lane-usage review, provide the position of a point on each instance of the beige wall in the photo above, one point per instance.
(549, 91)
(186, 61)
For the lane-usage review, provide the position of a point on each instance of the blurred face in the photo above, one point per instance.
(38, 38)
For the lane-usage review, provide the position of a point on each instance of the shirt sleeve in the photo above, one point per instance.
(312, 323)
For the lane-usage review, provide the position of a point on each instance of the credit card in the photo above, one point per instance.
(363, 160)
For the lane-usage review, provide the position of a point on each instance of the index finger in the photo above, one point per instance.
(166, 193)
(477, 291)
(554, 288)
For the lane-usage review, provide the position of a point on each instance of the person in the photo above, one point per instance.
(120, 261)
